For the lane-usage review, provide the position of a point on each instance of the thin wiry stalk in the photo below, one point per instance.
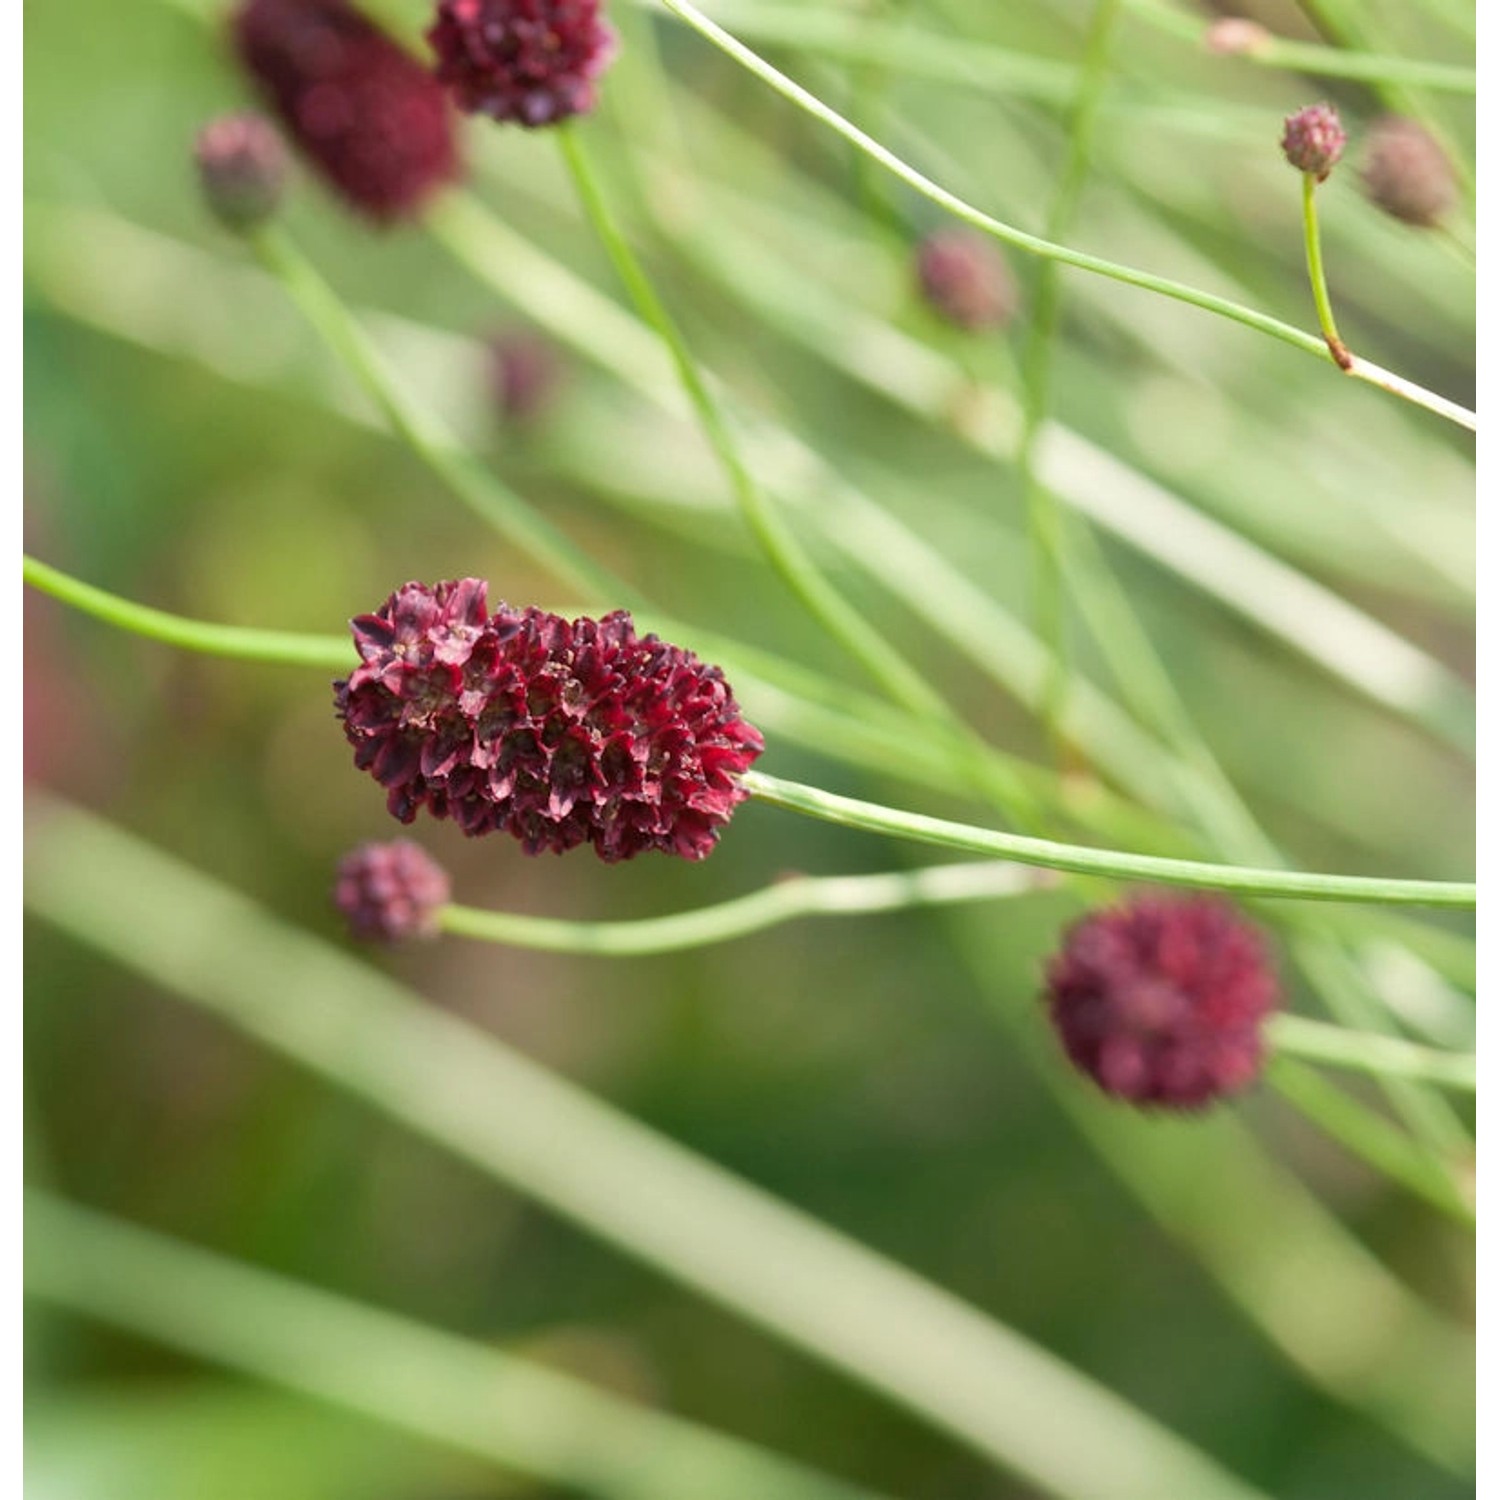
(852, 813)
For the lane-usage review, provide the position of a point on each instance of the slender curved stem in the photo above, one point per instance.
(780, 545)
(1044, 521)
(1313, 242)
(1008, 233)
(799, 896)
(494, 502)
(466, 1395)
(1370, 1052)
(852, 813)
(277, 646)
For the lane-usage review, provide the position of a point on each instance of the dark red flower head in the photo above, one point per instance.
(368, 116)
(1160, 1000)
(390, 892)
(561, 733)
(531, 61)
(242, 166)
(1408, 174)
(965, 279)
(1313, 139)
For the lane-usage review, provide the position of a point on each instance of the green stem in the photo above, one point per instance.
(1044, 523)
(1032, 244)
(1314, 243)
(1311, 57)
(1368, 1135)
(1367, 1052)
(781, 547)
(464, 1395)
(280, 647)
(491, 500)
(800, 896)
(971, 1377)
(851, 813)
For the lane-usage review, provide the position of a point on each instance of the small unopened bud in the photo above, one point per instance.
(242, 165)
(390, 892)
(965, 279)
(1235, 36)
(525, 370)
(1314, 139)
(1406, 173)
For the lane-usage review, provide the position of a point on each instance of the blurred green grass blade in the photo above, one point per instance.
(969, 1376)
(415, 1378)
(225, 1439)
(1311, 58)
(1310, 1287)
(1367, 1135)
(1301, 613)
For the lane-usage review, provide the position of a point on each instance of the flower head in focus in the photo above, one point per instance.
(390, 892)
(1160, 1000)
(1313, 139)
(372, 122)
(557, 732)
(532, 62)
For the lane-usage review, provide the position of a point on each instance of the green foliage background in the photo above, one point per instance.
(184, 449)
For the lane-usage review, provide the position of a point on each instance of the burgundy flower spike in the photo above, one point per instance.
(390, 892)
(560, 733)
(1160, 1000)
(531, 61)
(368, 117)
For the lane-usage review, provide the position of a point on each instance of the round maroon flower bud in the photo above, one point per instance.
(242, 166)
(368, 117)
(1160, 1000)
(1313, 139)
(390, 892)
(965, 279)
(1408, 174)
(524, 373)
(531, 61)
(557, 732)
(1235, 36)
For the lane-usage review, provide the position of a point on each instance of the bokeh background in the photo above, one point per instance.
(191, 446)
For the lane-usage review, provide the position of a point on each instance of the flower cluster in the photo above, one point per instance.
(1160, 1000)
(965, 280)
(390, 892)
(374, 124)
(533, 62)
(1407, 173)
(1313, 139)
(560, 733)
